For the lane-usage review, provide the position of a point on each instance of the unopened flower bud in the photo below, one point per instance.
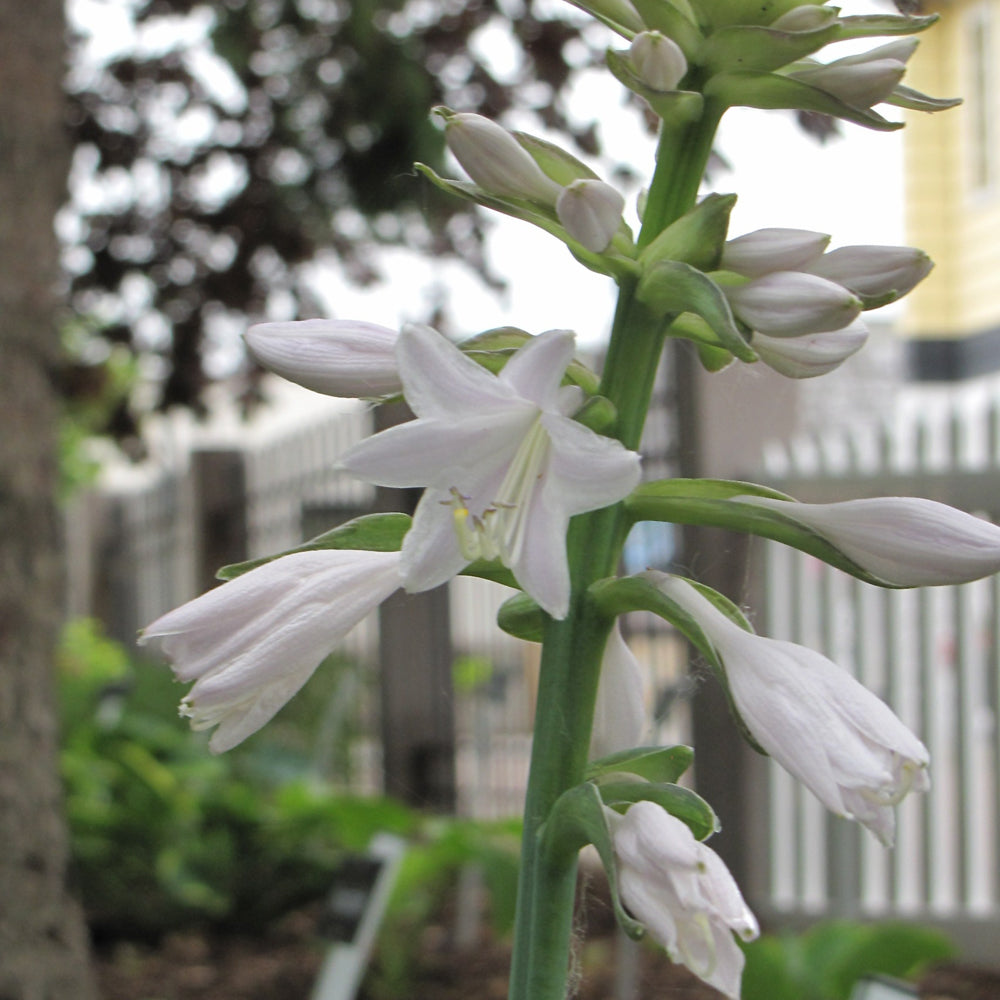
(905, 541)
(811, 355)
(808, 17)
(792, 304)
(620, 718)
(494, 159)
(335, 357)
(765, 250)
(658, 61)
(591, 212)
(874, 271)
(861, 80)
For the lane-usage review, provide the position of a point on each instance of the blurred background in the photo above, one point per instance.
(213, 165)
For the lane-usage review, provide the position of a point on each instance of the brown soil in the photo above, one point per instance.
(283, 965)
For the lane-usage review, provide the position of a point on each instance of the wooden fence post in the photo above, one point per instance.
(418, 703)
(220, 490)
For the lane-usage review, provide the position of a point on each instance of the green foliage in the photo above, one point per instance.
(826, 961)
(162, 833)
(165, 835)
(427, 878)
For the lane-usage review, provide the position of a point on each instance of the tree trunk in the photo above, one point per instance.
(43, 949)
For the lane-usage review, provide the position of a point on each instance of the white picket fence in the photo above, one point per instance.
(932, 654)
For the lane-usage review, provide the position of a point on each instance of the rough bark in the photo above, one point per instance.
(43, 950)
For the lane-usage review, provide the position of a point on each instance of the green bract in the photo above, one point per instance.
(374, 532)
(671, 288)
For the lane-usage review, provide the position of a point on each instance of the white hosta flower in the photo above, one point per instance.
(504, 464)
(657, 60)
(684, 894)
(792, 304)
(811, 355)
(620, 717)
(335, 357)
(873, 270)
(861, 80)
(765, 250)
(591, 212)
(906, 541)
(814, 718)
(250, 644)
(494, 159)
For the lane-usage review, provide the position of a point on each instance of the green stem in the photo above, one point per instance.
(573, 648)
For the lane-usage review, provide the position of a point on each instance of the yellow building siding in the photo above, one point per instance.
(946, 214)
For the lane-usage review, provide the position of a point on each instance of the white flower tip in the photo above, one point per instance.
(494, 159)
(808, 17)
(335, 357)
(812, 355)
(773, 249)
(591, 212)
(658, 61)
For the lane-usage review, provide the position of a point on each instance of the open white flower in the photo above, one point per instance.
(684, 894)
(504, 464)
(906, 541)
(335, 357)
(813, 718)
(250, 644)
(620, 717)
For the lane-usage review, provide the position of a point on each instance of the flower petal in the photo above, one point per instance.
(587, 471)
(536, 370)
(440, 381)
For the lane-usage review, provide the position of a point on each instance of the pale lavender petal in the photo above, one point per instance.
(587, 471)
(439, 381)
(438, 451)
(431, 554)
(536, 370)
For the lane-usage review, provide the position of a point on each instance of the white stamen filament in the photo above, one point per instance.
(498, 532)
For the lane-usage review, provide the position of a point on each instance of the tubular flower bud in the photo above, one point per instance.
(767, 250)
(808, 17)
(591, 212)
(873, 271)
(620, 712)
(861, 80)
(791, 304)
(905, 541)
(811, 355)
(683, 892)
(335, 357)
(250, 644)
(657, 60)
(844, 744)
(494, 159)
